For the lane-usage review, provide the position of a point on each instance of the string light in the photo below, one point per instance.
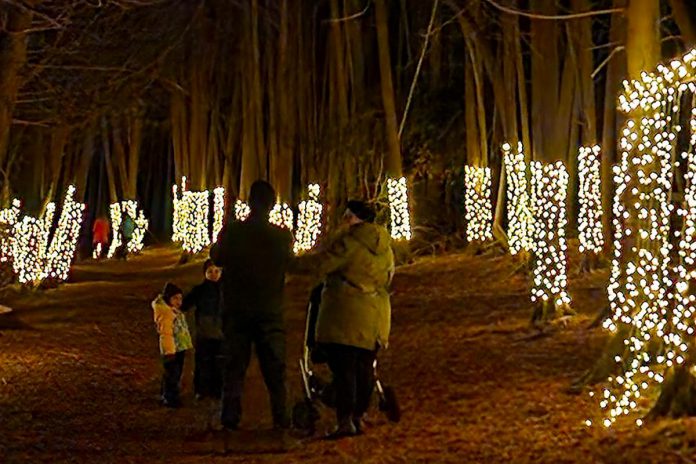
(648, 294)
(218, 212)
(29, 256)
(194, 208)
(477, 203)
(64, 243)
(97, 252)
(520, 219)
(308, 221)
(176, 216)
(241, 210)
(137, 241)
(281, 215)
(8, 218)
(549, 191)
(190, 218)
(116, 218)
(590, 199)
(398, 206)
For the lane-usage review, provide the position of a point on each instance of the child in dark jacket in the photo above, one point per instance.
(207, 374)
(174, 341)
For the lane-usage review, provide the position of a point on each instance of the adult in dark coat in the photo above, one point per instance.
(255, 255)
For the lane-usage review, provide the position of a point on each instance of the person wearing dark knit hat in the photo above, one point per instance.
(361, 211)
(354, 317)
(174, 341)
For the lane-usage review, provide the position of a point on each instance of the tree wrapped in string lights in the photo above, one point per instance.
(650, 292)
(29, 251)
(308, 221)
(194, 210)
(397, 190)
(218, 212)
(590, 231)
(520, 220)
(190, 218)
(64, 242)
(550, 268)
(116, 212)
(281, 215)
(8, 218)
(477, 204)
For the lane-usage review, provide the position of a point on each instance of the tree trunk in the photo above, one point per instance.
(13, 53)
(545, 83)
(392, 162)
(683, 15)
(616, 70)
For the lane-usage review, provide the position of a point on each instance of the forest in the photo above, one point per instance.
(533, 160)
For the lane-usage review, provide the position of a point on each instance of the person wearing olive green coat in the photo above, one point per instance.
(355, 312)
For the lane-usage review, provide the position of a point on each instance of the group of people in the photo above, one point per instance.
(240, 305)
(100, 235)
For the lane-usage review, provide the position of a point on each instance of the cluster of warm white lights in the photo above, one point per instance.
(116, 212)
(281, 215)
(218, 212)
(590, 199)
(116, 218)
(651, 295)
(549, 193)
(477, 203)
(178, 220)
(33, 257)
(8, 218)
(191, 216)
(98, 250)
(520, 219)
(194, 208)
(241, 210)
(308, 221)
(137, 241)
(29, 246)
(397, 190)
(28, 250)
(64, 243)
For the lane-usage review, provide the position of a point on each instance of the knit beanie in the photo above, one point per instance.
(361, 210)
(169, 291)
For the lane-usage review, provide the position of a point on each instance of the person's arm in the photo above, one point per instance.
(331, 259)
(191, 299)
(164, 319)
(219, 250)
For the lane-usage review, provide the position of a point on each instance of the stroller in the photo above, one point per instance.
(318, 391)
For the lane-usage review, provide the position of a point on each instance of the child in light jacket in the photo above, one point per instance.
(174, 340)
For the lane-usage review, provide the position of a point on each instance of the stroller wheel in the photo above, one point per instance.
(389, 405)
(305, 416)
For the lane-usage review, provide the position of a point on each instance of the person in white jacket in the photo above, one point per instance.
(174, 341)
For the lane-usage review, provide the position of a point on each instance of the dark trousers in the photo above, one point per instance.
(353, 379)
(171, 378)
(269, 341)
(207, 373)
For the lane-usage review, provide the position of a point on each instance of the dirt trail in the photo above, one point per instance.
(79, 375)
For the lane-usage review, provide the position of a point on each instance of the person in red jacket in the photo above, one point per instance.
(100, 236)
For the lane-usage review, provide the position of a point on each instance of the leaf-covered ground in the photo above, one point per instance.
(79, 376)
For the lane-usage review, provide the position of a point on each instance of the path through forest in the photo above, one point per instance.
(79, 375)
